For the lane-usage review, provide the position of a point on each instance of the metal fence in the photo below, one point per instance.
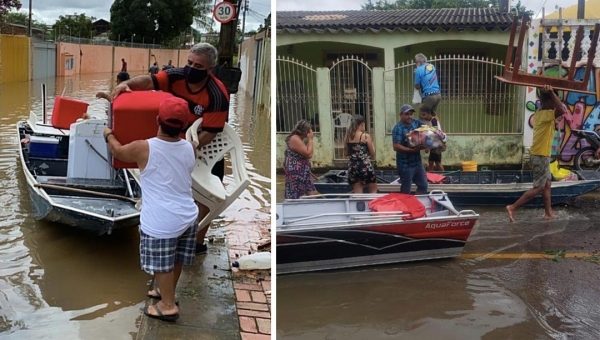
(473, 101)
(106, 42)
(296, 94)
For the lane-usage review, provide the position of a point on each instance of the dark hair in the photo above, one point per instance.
(122, 76)
(546, 96)
(354, 124)
(168, 129)
(301, 129)
(425, 109)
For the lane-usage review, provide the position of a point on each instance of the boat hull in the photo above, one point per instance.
(44, 210)
(482, 194)
(361, 246)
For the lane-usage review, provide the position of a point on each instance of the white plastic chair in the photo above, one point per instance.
(344, 119)
(206, 187)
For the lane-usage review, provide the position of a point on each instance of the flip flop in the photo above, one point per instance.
(161, 316)
(159, 297)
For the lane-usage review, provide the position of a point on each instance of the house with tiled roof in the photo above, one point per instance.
(331, 65)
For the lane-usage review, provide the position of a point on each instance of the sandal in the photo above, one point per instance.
(158, 296)
(161, 316)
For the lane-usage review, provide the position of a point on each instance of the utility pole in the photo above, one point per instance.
(227, 36)
(29, 25)
(230, 75)
(244, 18)
(581, 9)
(243, 28)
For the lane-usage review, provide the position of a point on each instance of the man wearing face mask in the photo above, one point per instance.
(206, 96)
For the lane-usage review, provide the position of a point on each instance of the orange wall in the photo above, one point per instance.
(138, 59)
(96, 58)
(99, 58)
(163, 57)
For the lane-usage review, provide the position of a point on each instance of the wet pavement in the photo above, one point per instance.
(207, 303)
(532, 279)
(61, 283)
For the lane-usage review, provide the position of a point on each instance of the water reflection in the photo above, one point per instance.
(56, 282)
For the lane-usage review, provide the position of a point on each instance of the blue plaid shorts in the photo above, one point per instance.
(158, 255)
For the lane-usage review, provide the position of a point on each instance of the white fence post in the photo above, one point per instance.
(325, 117)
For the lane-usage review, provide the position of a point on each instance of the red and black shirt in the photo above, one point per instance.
(211, 102)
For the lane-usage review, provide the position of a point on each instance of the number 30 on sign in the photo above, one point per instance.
(224, 12)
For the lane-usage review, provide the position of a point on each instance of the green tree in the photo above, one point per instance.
(19, 18)
(203, 13)
(75, 25)
(518, 9)
(7, 5)
(159, 21)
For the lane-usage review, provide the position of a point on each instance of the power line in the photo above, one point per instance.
(541, 8)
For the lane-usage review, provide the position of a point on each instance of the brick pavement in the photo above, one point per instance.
(252, 288)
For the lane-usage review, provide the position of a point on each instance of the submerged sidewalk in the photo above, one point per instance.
(217, 302)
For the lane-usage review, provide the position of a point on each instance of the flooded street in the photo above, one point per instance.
(61, 283)
(503, 287)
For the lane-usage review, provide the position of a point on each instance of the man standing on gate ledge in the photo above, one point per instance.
(426, 80)
(206, 96)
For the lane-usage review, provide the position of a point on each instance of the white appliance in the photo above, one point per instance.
(88, 152)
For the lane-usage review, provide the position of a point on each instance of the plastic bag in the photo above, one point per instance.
(558, 174)
(427, 136)
(416, 97)
(407, 204)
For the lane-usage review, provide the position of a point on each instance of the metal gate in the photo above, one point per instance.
(44, 61)
(351, 94)
(296, 94)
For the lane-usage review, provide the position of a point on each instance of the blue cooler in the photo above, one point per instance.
(43, 147)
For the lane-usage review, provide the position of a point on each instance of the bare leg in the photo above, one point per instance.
(440, 166)
(548, 214)
(372, 187)
(167, 291)
(431, 166)
(526, 197)
(202, 230)
(357, 188)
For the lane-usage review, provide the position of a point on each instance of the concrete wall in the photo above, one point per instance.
(162, 57)
(89, 59)
(255, 62)
(15, 58)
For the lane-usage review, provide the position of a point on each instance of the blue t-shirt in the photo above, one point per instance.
(426, 76)
(405, 160)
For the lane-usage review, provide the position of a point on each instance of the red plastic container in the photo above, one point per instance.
(134, 118)
(66, 111)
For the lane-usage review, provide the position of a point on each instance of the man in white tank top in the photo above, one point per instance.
(168, 221)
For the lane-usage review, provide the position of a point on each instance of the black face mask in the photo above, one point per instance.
(194, 75)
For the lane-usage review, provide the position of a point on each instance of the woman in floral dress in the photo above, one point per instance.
(360, 148)
(296, 163)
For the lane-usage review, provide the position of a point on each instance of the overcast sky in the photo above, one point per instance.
(47, 11)
(336, 5)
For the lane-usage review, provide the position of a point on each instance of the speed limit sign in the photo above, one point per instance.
(224, 12)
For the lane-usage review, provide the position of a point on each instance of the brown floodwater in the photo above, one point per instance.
(60, 283)
(501, 288)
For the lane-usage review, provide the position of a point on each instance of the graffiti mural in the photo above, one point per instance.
(583, 113)
(583, 110)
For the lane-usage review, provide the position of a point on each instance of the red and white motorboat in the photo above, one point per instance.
(339, 231)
